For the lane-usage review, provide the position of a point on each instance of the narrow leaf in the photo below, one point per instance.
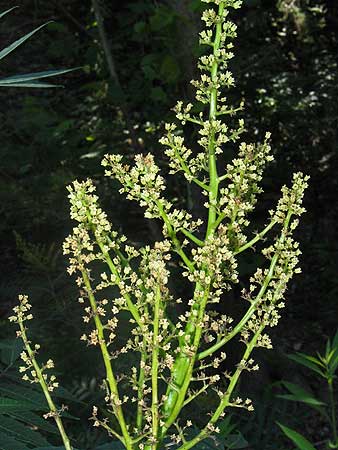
(8, 405)
(7, 11)
(299, 394)
(34, 76)
(35, 420)
(296, 438)
(20, 41)
(21, 432)
(32, 84)
(298, 357)
(10, 443)
(10, 350)
(335, 341)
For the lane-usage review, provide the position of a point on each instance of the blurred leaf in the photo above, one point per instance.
(116, 445)
(225, 426)
(234, 441)
(163, 17)
(10, 350)
(335, 341)
(158, 94)
(170, 70)
(21, 432)
(297, 439)
(308, 361)
(9, 443)
(140, 27)
(8, 405)
(300, 395)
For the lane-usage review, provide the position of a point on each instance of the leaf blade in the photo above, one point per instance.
(7, 11)
(7, 50)
(35, 76)
(300, 441)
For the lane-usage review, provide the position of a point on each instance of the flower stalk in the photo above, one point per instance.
(176, 353)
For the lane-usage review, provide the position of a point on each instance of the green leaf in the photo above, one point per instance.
(296, 438)
(21, 79)
(21, 432)
(10, 350)
(20, 41)
(158, 94)
(169, 70)
(140, 27)
(335, 341)
(34, 398)
(34, 420)
(226, 427)
(300, 395)
(7, 11)
(63, 448)
(308, 361)
(10, 443)
(162, 18)
(234, 441)
(116, 445)
(31, 85)
(8, 405)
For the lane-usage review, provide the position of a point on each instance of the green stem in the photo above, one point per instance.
(154, 370)
(333, 413)
(183, 366)
(192, 237)
(183, 369)
(132, 308)
(214, 181)
(172, 235)
(257, 238)
(252, 308)
(141, 378)
(226, 399)
(112, 383)
(44, 388)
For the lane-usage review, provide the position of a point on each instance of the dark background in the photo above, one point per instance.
(286, 70)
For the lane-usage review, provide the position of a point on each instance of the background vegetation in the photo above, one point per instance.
(286, 70)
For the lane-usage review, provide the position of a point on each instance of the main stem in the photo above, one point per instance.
(154, 370)
(214, 181)
(182, 370)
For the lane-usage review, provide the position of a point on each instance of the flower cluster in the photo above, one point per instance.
(143, 183)
(239, 197)
(215, 264)
(32, 372)
(292, 198)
